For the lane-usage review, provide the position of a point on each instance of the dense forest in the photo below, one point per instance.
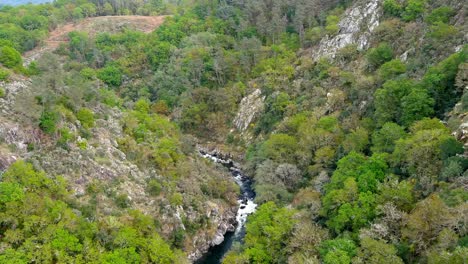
(349, 115)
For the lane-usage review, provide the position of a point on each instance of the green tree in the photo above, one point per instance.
(111, 75)
(392, 7)
(379, 55)
(415, 106)
(439, 80)
(266, 232)
(337, 251)
(440, 14)
(280, 148)
(391, 69)
(414, 9)
(383, 140)
(86, 117)
(376, 252)
(10, 57)
(48, 121)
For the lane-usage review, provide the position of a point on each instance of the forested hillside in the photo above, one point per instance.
(350, 117)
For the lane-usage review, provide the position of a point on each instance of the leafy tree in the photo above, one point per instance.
(399, 193)
(440, 14)
(379, 55)
(111, 75)
(415, 106)
(10, 57)
(48, 121)
(414, 9)
(266, 232)
(426, 221)
(10, 192)
(439, 80)
(357, 140)
(384, 139)
(338, 250)
(280, 148)
(332, 24)
(392, 7)
(376, 252)
(391, 69)
(421, 156)
(86, 117)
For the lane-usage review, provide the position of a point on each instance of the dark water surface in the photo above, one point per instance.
(247, 206)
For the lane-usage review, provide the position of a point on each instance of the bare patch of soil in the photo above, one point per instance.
(93, 26)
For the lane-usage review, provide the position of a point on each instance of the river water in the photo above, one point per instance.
(247, 206)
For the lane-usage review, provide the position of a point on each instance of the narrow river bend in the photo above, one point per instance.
(247, 206)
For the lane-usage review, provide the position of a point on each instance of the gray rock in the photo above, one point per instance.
(356, 27)
(249, 108)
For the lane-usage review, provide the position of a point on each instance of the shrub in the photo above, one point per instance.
(48, 121)
(414, 9)
(379, 55)
(154, 187)
(441, 14)
(4, 74)
(10, 57)
(88, 73)
(2, 92)
(176, 199)
(391, 69)
(86, 117)
(110, 75)
(392, 8)
(441, 31)
(65, 137)
(332, 24)
(122, 201)
(314, 35)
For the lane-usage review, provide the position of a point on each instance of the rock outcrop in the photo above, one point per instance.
(356, 26)
(101, 161)
(225, 222)
(250, 107)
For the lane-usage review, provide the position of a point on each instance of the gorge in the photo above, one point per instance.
(247, 206)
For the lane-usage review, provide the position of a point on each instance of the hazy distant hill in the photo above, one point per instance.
(22, 2)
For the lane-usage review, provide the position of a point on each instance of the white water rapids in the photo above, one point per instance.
(247, 206)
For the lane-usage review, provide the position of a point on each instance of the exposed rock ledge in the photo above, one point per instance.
(356, 27)
(226, 223)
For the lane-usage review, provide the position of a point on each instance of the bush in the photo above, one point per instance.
(86, 117)
(110, 75)
(65, 137)
(10, 57)
(441, 14)
(154, 187)
(414, 9)
(4, 74)
(48, 121)
(441, 31)
(379, 55)
(88, 73)
(391, 69)
(2, 92)
(392, 8)
(176, 199)
(314, 35)
(122, 201)
(332, 24)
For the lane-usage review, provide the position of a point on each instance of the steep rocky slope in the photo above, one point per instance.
(98, 162)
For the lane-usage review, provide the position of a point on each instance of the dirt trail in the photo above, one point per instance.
(93, 26)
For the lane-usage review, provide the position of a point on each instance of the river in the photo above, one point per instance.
(247, 206)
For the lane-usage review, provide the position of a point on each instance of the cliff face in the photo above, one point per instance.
(356, 27)
(204, 218)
